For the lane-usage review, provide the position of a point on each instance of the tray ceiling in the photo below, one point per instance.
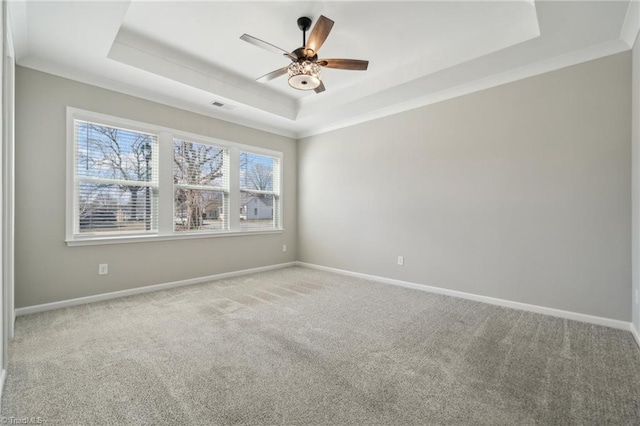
(189, 54)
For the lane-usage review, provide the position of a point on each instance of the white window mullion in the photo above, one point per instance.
(234, 189)
(256, 191)
(120, 182)
(277, 186)
(165, 182)
(201, 187)
(72, 193)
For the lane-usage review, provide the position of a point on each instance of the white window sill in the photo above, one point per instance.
(124, 239)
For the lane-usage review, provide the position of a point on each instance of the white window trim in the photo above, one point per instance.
(165, 183)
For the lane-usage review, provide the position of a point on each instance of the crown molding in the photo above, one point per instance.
(299, 131)
(531, 70)
(631, 24)
(393, 100)
(17, 20)
(58, 70)
(137, 51)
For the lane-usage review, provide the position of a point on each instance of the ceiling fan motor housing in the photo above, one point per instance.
(304, 54)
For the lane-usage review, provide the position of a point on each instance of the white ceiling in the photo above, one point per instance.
(189, 54)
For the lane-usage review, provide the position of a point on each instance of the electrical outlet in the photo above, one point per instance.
(400, 260)
(284, 248)
(103, 269)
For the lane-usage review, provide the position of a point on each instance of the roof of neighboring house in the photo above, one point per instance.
(265, 199)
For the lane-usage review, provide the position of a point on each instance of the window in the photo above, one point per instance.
(116, 185)
(259, 181)
(201, 184)
(130, 181)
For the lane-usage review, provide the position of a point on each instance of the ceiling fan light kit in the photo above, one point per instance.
(304, 75)
(304, 70)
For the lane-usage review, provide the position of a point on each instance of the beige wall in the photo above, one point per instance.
(47, 270)
(520, 192)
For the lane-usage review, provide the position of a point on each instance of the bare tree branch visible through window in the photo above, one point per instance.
(110, 153)
(256, 172)
(198, 165)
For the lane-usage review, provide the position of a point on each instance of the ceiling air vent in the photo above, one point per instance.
(223, 106)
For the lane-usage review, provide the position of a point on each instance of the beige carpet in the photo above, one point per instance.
(303, 347)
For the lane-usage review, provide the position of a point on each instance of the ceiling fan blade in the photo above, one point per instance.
(320, 88)
(344, 64)
(319, 34)
(273, 74)
(266, 46)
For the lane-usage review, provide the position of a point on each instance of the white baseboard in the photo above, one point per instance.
(607, 322)
(635, 333)
(146, 289)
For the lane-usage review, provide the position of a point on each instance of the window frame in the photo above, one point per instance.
(275, 192)
(79, 180)
(225, 190)
(165, 184)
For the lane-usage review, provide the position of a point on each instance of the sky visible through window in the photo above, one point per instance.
(256, 172)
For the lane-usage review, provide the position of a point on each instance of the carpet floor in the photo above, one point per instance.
(304, 347)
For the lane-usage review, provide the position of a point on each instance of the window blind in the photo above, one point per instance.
(116, 180)
(148, 182)
(201, 187)
(259, 191)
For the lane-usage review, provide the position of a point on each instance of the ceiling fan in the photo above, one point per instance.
(304, 70)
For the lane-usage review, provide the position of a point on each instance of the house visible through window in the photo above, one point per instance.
(133, 179)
